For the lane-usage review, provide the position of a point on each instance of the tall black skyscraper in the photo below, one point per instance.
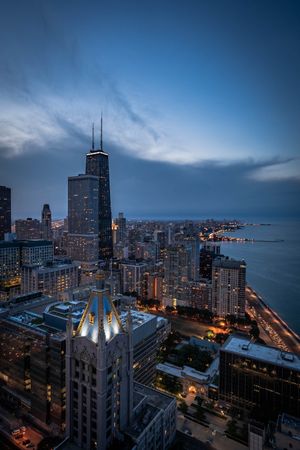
(5, 211)
(97, 164)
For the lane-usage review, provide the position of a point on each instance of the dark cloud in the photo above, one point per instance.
(146, 189)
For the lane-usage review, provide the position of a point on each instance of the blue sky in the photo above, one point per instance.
(201, 104)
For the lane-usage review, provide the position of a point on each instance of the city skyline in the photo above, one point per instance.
(204, 94)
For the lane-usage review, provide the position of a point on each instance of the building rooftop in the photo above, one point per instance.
(228, 263)
(25, 243)
(138, 318)
(154, 397)
(99, 315)
(241, 345)
(291, 423)
(142, 421)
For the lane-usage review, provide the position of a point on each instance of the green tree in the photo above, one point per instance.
(183, 407)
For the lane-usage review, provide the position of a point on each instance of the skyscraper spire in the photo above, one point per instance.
(101, 143)
(93, 137)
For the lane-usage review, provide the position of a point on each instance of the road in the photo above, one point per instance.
(277, 330)
(188, 326)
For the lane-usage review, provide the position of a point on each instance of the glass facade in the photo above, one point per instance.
(32, 373)
(97, 164)
(248, 382)
(83, 193)
(5, 211)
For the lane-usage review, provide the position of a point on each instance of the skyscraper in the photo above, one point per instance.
(120, 221)
(83, 225)
(46, 230)
(208, 252)
(104, 405)
(99, 374)
(5, 211)
(97, 164)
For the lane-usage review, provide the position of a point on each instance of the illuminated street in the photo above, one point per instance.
(278, 333)
(189, 327)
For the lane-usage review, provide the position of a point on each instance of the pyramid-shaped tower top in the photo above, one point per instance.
(100, 318)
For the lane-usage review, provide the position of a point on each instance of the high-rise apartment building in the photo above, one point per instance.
(133, 276)
(228, 287)
(208, 252)
(5, 211)
(46, 223)
(192, 247)
(28, 229)
(255, 375)
(176, 264)
(97, 164)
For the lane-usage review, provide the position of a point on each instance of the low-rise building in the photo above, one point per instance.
(255, 375)
(191, 380)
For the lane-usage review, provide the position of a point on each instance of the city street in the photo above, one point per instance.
(278, 334)
(189, 327)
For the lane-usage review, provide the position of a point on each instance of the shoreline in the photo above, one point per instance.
(278, 326)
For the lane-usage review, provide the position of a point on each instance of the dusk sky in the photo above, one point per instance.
(200, 101)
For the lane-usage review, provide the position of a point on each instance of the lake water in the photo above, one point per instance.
(273, 268)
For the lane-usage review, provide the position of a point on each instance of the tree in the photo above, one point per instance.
(200, 415)
(231, 427)
(183, 407)
(190, 355)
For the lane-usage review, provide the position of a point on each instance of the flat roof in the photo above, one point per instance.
(155, 398)
(242, 346)
(138, 318)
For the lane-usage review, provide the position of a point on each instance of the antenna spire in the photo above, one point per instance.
(101, 143)
(93, 137)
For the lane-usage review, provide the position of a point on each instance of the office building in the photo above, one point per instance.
(28, 229)
(228, 287)
(32, 364)
(254, 375)
(83, 204)
(5, 211)
(46, 223)
(104, 406)
(97, 164)
(36, 252)
(83, 225)
(32, 374)
(50, 279)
